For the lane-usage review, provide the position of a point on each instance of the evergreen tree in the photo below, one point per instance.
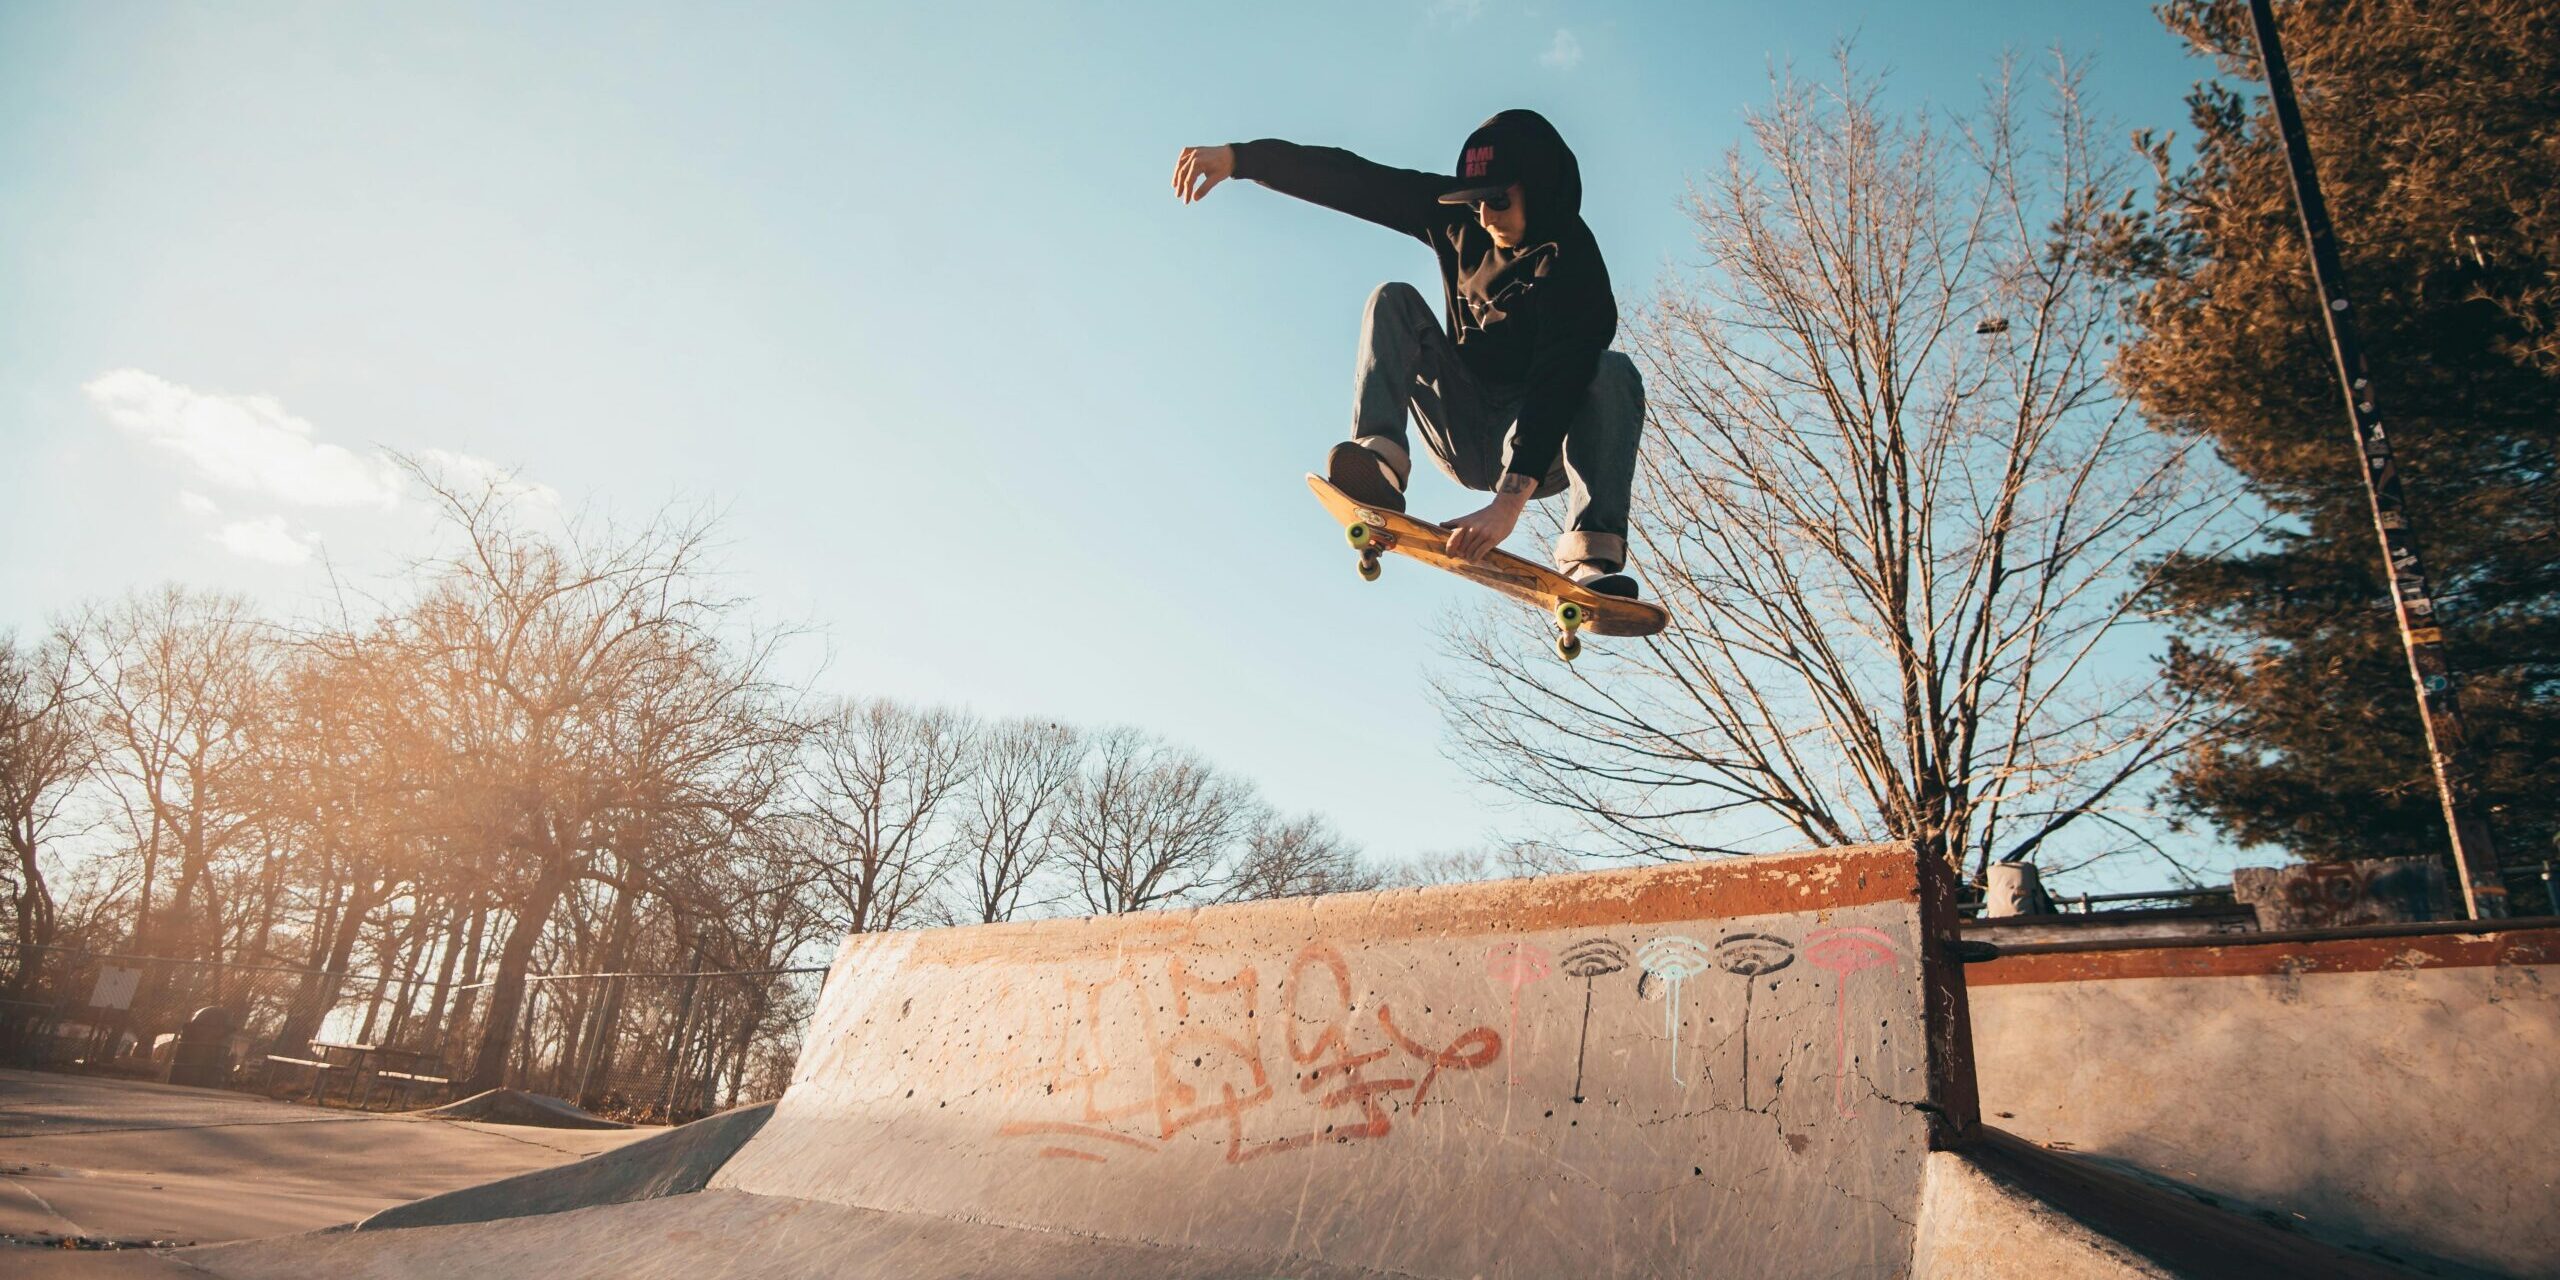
(2437, 130)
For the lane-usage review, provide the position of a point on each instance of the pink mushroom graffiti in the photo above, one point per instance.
(1515, 965)
(1845, 951)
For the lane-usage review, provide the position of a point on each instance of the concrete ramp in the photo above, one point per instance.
(1726, 1068)
(1704, 1068)
(677, 1162)
(515, 1106)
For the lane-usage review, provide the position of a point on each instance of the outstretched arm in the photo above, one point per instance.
(1405, 200)
(1198, 171)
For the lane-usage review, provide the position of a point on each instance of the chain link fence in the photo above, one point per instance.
(644, 1047)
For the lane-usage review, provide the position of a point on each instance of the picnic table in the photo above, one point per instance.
(326, 1056)
(404, 1069)
(364, 1065)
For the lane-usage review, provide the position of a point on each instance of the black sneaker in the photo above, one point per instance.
(1621, 585)
(1364, 475)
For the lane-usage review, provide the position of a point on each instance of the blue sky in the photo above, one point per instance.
(902, 288)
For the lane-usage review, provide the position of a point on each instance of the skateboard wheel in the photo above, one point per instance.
(1568, 646)
(1369, 568)
(1358, 533)
(1570, 615)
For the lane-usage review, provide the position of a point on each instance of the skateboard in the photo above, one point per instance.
(1372, 531)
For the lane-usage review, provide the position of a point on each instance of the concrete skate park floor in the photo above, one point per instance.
(117, 1159)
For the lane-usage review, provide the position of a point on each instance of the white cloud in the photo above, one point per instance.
(244, 442)
(269, 540)
(1564, 53)
(196, 504)
(471, 472)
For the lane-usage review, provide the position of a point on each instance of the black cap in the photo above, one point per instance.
(1491, 161)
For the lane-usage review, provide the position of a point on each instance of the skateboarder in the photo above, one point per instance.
(1527, 399)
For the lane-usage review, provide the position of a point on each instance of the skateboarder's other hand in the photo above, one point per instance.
(1471, 536)
(1198, 169)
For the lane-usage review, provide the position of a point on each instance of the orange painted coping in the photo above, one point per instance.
(1829, 879)
(2241, 960)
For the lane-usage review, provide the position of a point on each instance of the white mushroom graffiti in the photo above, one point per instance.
(1673, 958)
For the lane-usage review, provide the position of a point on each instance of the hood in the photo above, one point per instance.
(1534, 155)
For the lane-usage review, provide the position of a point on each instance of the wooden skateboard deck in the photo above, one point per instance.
(1574, 609)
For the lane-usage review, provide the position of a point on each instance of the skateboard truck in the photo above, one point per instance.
(1370, 540)
(1572, 609)
(1366, 536)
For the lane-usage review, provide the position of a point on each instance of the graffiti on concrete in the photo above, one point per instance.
(1590, 960)
(1347, 1062)
(1843, 952)
(1172, 1040)
(1514, 965)
(1748, 956)
(1673, 958)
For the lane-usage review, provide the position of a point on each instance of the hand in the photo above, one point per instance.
(1200, 168)
(1471, 536)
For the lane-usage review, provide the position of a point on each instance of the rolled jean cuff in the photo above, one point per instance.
(1398, 459)
(1606, 552)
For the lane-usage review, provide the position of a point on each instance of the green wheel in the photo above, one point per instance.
(1368, 568)
(1568, 646)
(1570, 615)
(1358, 533)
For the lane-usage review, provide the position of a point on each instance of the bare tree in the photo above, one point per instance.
(590, 702)
(347, 786)
(1024, 770)
(1895, 508)
(875, 792)
(1296, 858)
(1147, 824)
(46, 750)
(179, 681)
(1518, 859)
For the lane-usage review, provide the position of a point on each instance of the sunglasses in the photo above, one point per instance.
(1492, 204)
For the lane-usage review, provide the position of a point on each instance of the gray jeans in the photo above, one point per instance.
(1407, 362)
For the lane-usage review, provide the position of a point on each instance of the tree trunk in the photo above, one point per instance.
(403, 1005)
(271, 887)
(320, 990)
(433, 1040)
(602, 1040)
(470, 998)
(185, 935)
(300, 1017)
(600, 1054)
(680, 1042)
(386, 954)
(142, 904)
(33, 905)
(506, 991)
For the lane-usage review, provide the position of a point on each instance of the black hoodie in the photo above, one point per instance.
(1531, 320)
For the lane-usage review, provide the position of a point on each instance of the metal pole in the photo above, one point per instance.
(2475, 859)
